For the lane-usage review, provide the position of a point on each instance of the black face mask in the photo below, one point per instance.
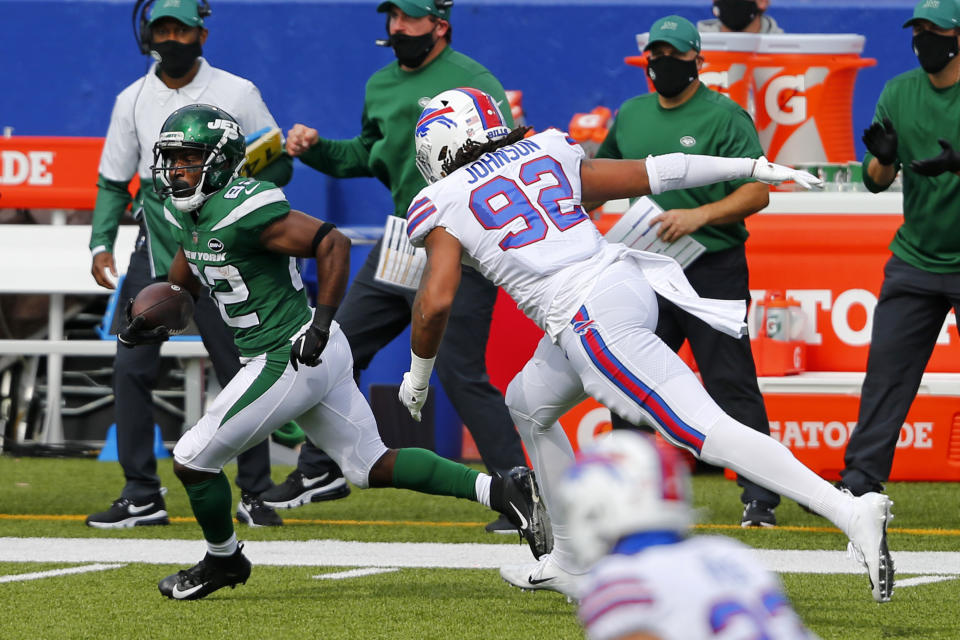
(934, 51)
(175, 58)
(735, 14)
(411, 51)
(671, 75)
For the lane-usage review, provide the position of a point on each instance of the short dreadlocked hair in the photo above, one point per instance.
(471, 150)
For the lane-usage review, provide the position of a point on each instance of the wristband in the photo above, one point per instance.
(420, 370)
(323, 316)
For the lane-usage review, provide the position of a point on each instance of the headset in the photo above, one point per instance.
(141, 24)
(439, 4)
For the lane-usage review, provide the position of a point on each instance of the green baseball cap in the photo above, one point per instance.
(418, 8)
(677, 31)
(183, 10)
(943, 13)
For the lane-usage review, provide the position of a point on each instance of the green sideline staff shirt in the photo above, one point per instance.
(929, 238)
(708, 124)
(393, 103)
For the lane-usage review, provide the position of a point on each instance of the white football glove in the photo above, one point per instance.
(412, 399)
(771, 173)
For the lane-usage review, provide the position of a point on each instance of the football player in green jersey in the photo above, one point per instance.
(240, 238)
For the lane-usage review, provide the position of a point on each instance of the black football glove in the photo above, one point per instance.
(133, 333)
(881, 141)
(308, 347)
(948, 160)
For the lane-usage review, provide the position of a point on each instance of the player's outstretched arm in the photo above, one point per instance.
(604, 179)
(431, 310)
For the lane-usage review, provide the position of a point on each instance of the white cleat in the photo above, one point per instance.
(543, 574)
(868, 542)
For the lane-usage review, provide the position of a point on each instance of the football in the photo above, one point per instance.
(163, 304)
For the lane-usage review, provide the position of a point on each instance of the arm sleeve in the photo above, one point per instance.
(121, 149)
(112, 200)
(345, 158)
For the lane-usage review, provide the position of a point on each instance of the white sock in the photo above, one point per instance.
(551, 454)
(773, 466)
(224, 549)
(482, 487)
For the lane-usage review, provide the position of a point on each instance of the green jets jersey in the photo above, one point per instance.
(709, 124)
(260, 294)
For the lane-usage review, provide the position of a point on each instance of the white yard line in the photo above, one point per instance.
(913, 582)
(20, 577)
(337, 553)
(355, 573)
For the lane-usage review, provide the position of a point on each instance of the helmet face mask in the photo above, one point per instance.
(623, 484)
(218, 139)
(448, 122)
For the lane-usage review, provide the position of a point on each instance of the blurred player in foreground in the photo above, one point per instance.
(627, 502)
(510, 206)
(239, 238)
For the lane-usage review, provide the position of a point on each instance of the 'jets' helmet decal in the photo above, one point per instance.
(448, 121)
(216, 135)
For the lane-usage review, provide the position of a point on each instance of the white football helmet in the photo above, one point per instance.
(622, 484)
(448, 121)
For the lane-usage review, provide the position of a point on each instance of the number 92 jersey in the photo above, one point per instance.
(259, 293)
(517, 214)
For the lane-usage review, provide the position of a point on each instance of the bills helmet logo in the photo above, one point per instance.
(434, 116)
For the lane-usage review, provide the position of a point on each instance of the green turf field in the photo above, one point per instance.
(50, 498)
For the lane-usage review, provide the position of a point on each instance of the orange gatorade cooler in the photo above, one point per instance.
(804, 95)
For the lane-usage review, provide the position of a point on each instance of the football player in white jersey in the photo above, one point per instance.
(510, 207)
(627, 502)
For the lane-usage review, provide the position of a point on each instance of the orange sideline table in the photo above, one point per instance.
(827, 250)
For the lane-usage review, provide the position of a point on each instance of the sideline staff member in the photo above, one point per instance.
(686, 116)
(374, 312)
(175, 34)
(915, 129)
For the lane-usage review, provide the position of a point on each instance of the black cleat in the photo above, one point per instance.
(252, 511)
(501, 525)
(128, 512)
(207, 576)
(758, 514)
(516, 496)
(298, 490)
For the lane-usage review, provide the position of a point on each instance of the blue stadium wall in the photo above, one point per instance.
(62, 62)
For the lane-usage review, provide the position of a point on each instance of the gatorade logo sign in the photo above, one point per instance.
(834, 434)
(32, 168)
(784, 100)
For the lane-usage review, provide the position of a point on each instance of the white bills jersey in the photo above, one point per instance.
(517, 214)
(705, 587)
